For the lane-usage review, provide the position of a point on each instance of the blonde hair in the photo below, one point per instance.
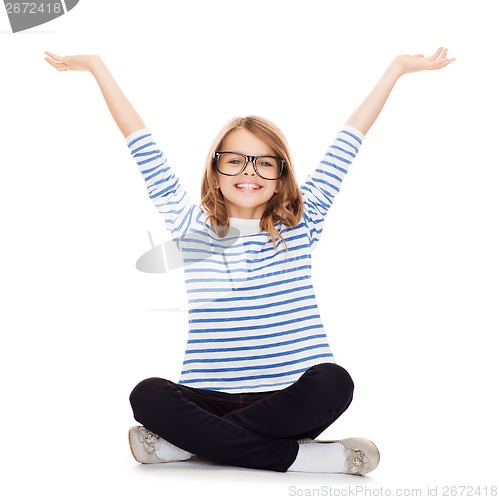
(285, 206)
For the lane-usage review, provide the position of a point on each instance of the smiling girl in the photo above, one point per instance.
(259, 381)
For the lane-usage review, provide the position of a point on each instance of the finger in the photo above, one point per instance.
(443, 55)
(57, 65)
(444, 58)
(50, 62)
(442, 63)
(57, 60)
(53, 56)
(448, 61)
(435, 55)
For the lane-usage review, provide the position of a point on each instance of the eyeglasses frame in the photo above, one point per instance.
(252, 159)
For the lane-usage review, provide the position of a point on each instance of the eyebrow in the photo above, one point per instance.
(244, 154)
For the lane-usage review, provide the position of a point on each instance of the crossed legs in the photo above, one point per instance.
(256, 430)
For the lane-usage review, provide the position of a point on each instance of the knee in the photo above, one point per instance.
(335, 380)
(145, 393)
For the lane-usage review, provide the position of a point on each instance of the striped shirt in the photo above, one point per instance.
(254, 324)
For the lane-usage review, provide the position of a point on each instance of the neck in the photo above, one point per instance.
(246, 212)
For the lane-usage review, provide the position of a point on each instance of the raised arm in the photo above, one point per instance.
(124, 114)
(163, 186)
(323, 184)
(367, 113)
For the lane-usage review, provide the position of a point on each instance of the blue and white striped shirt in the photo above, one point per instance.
(254, 324)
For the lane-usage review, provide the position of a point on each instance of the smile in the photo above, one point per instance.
(248, 186)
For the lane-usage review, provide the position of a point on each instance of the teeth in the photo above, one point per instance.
(248, 186)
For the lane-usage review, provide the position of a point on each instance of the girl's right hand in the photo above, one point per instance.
(124, 114)
(75, 63)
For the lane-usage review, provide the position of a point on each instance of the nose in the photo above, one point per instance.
(252, 169)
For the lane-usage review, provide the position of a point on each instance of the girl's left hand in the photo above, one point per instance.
(406, 63)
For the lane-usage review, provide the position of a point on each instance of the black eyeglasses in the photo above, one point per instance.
(266, 167)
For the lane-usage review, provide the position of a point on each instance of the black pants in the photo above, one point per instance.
(258, 430)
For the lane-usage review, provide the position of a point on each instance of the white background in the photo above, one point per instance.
(406, 272)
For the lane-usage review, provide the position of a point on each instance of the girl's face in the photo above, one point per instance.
(242, 199)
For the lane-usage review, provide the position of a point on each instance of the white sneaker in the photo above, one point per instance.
(362, 455)
(149, 448)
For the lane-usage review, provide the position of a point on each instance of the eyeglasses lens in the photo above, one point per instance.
(267, 167)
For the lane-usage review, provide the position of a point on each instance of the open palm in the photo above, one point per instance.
(411, 63)
(65, 63)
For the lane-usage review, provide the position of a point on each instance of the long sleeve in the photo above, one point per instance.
(323, 184)
(163, 186)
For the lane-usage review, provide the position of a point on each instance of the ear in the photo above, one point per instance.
(278, 186)
(215, 181)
